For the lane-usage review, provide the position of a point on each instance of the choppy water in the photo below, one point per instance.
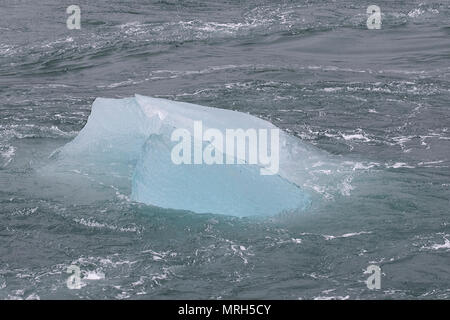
(376, 99)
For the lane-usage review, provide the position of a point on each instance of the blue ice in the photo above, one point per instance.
(130, 137)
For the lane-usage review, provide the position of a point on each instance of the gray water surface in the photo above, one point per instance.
(378, 100)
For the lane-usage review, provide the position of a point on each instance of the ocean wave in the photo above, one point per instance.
(26, 131)
(7, 154)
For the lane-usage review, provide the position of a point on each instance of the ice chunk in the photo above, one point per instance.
(130, 138)
(115, 131)
(238, 190)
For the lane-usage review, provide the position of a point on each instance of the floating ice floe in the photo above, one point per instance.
(132, 138)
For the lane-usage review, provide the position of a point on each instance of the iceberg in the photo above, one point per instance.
(131, 139)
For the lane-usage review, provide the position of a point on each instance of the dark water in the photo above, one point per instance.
(376, 99)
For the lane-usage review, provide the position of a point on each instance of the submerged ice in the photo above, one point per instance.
(131, 139)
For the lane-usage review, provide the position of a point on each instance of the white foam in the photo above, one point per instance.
(445, 245)
(399, 165)
(346, 235)
(94, 275)
(7, 155)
